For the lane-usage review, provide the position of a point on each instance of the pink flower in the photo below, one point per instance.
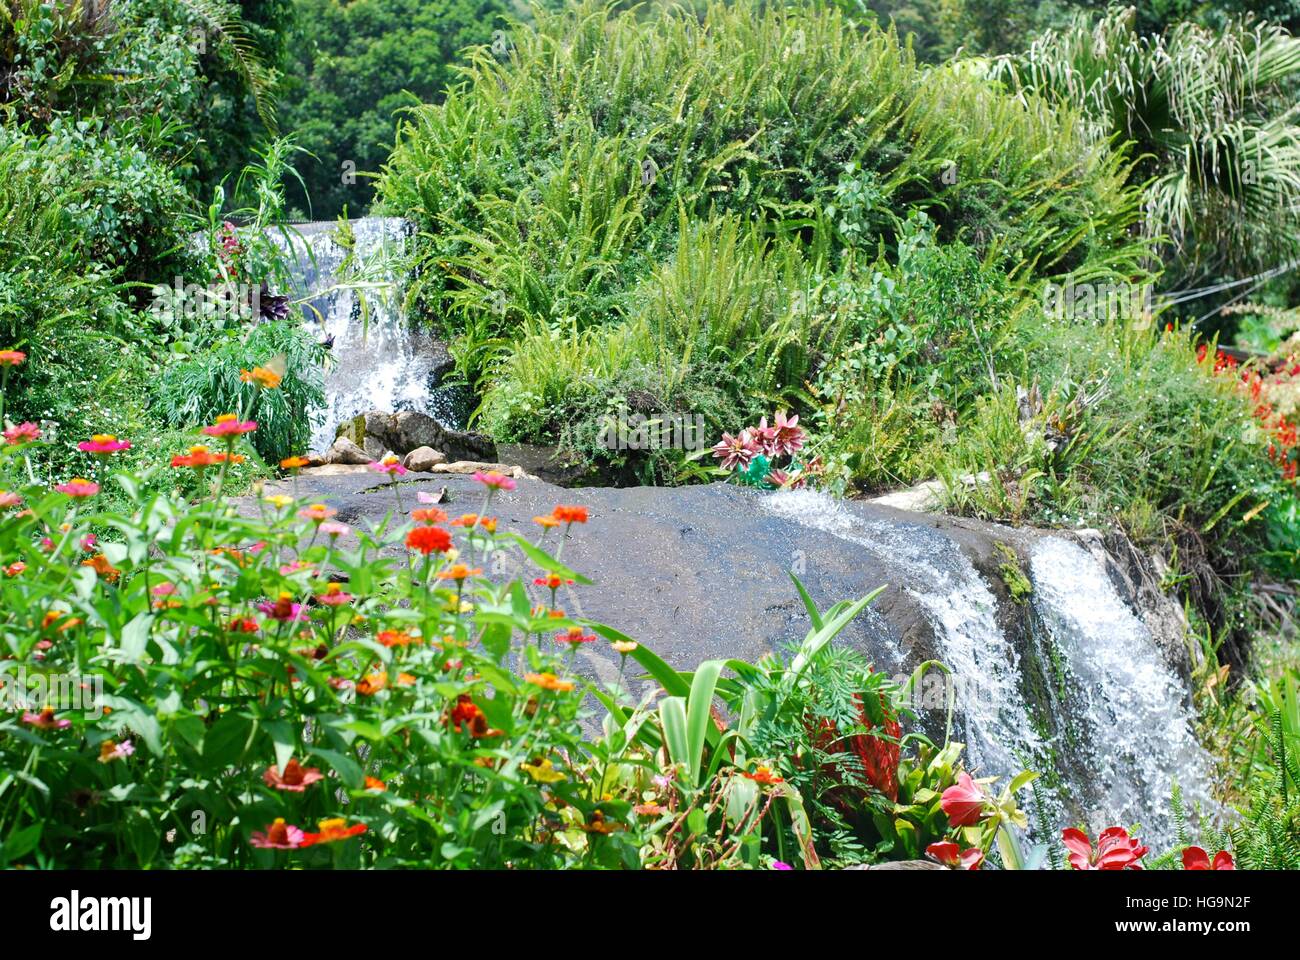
(333, 529)
(103, 443)
(89, 542)
(779, 865)
(278, 836)
(948, 853)
(295, 779)
(389, 465)
(1194, 858)
(110, 751)
(78, 488)
(45, 720)
(8, 500)
(787, 435)
(334, 596)
(23, 433)
(494, 480)
(963, 802)
(1116, 850)
(229, 425)
(283, 609)
(735, 452)
(763, 436)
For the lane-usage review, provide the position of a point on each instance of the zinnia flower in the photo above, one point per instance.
(762, 775)
(963, 802)
(264, 378)
(575, 636)
(295, 778)
(389, 465)
(317, 513)
(334, 596)
(374, 783)
(428, 540)
(469, 520)
(110, 751)
(45, 720)
(331, 830)
(278, 836)
(543, 771)
(428, 515)
(624, 646)
(1194, 858)
(199, 457)
(547, 522)
(283, 609)
(1116, 850)
(77, 488)
(23, 433)
(103, 443)
(15, 568)
(948, 853)
(458, 572)
(567, 514)
(8, 500)
(397, 638)
(294, 463)
(228, 425)
(332, 529)
(494, 480)
(11, 358)
(735, 452)
(548, 681)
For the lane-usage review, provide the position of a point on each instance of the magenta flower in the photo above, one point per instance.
(283, 609)
(45, 720)
(78, 488)
(295, 779)
(334, 596)
(736, 452)
(494, 480)
(103, 443)
(779, 865)
(23, 433)
(950, 855)
(763, 437)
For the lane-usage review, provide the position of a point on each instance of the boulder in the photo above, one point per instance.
(409, 430)
(345, 451)
(423, 459)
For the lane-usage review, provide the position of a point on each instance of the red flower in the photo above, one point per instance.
(570, 514)
(736, 452)
(11, 358)
(575, 636)
(295, 778)
(331, 830)
(468, 714)
(1194, 858)
(947, 853)
(427, 540)
(1116, 850)
(762, 775)
(964, 802)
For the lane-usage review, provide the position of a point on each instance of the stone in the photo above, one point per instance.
(408, 430)
(373, 447)
(423, 459)
(345, 451)
(479, 466)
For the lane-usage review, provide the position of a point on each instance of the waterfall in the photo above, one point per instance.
(1112, 732)
(379, 361)
(1123, 711)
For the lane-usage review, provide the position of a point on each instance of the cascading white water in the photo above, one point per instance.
(379, 362)
(962, 611)
(1123, 732)
(1130, 713)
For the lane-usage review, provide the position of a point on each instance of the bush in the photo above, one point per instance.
(197, 390)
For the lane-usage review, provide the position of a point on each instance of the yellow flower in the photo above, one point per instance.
(279, 500)
(624, 646)
(542, 771)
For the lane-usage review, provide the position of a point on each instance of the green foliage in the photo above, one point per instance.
(354, 65)
(194, 392)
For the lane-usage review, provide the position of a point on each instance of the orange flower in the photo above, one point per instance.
(267, 379)
(331, 830)
(468, 713)
(198, 457)
(428, 540)
(459, 572)
(373, 783)
(99, 563)
(762, 775)
(547, 522)
(430, 515)
(294, 463)
(598, 824)
(548, 681)
(372, 683)
(473, 519)
(570, 514)
(317, 513)
(11, 358)
(397, 638)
